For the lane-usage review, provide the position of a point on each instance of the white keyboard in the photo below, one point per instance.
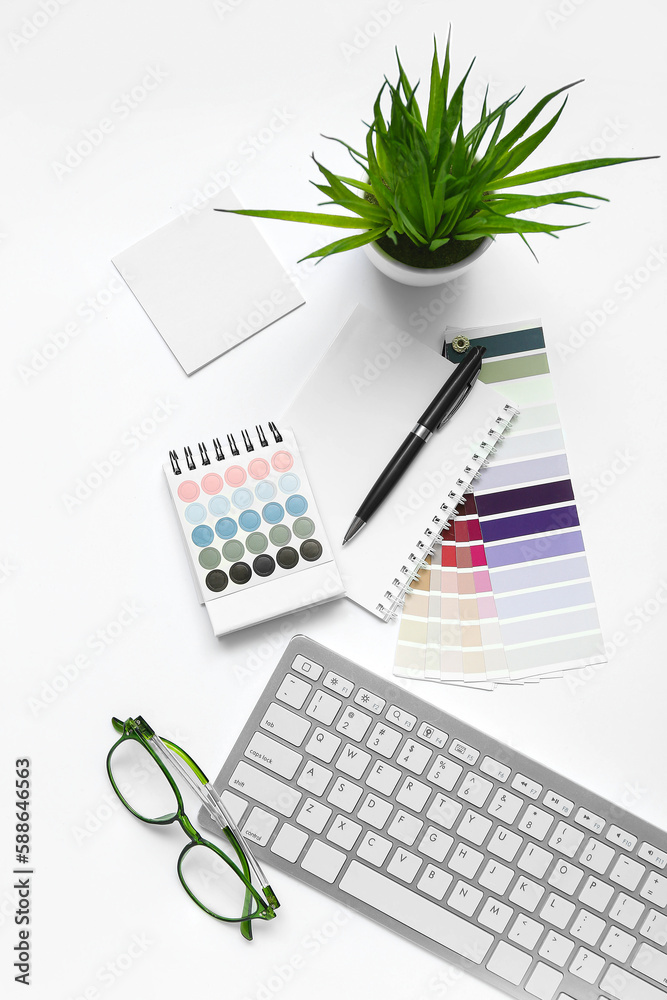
(444, 835)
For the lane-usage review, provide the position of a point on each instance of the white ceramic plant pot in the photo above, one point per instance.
(422, 276)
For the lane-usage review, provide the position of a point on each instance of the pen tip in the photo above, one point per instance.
(357, 524)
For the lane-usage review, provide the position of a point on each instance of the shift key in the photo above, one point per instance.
(265, 789)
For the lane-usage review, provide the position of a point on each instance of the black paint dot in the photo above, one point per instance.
(287, 558)
(264, 565)
(311, 549)
(216, 580)
(240, 572)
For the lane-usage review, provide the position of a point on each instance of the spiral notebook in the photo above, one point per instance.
(351, 415)
(255, 539)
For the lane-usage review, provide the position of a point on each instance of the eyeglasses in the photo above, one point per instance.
(140, 767)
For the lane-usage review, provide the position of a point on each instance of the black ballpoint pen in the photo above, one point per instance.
(440, 409)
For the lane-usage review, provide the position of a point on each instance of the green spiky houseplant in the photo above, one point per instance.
(431, 191)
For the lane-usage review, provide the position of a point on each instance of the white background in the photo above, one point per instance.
(225, 68)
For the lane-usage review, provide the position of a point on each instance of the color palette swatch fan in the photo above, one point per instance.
(507, 596)
(255, 539)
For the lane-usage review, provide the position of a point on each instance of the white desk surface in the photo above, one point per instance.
(186, 92)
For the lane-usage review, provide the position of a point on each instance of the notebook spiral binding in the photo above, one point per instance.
(204, 458)
(394, 597)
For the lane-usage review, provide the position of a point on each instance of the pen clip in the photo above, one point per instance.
(452, 410)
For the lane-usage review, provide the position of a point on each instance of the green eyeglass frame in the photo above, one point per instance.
(168, 756)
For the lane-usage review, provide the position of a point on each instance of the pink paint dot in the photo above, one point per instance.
(211, 483)
(282, 461)
(235, 475)
(259, 468)
(188, 491)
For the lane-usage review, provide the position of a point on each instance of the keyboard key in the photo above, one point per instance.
(535, 822)
(435, 844)
(445, 773)
(339, 684)
(234, 805)
(307, 667)
(627, 872)
(412, 910)
(434, 881)
(587, 965)
(383, 777)
(404, 865)
(414, 756)
(587, 927)
(259, 826)
(474, 827)
(525, 931)
(566, 877)
(273, 755)
(651, 963)
(354, 724)
(465, 860)
(655, 927)
(556, 948)
(344, 832)
(434, 736)
(597, 856)
(323, 707)
(323, 745)
(504, 843)
(344, 794)
(413, 794)
(558, 803)
(618, 944)
(384, 740)
(463, 752)
(465, 898)
(596, 894)
(369, 701)
(293, 691)
(375, 811)
(285, 724)
(495, 769)
(589, 820)
(526, 786)
(474, 789)
(314, 778)
(505, 806)
(509, 963)
(655, 890)
(526, 894)
(624, 986)
(534, 860)
(313, 815)
(289, 843)
(400, 718)
(496, 877)
(374, 848)
(648, 853)
(265, 789)
(621, 838)
(543, 982)
(557, 910)
(405, 828)
(353, 761)
(626, 910)
(323, 861)
(495, 915)
(566, 839)
(444, 811)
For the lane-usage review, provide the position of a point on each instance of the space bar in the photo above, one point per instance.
(429, 919)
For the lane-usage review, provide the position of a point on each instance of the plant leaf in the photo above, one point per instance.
(348, 243)
(546, 173)
(316, 218)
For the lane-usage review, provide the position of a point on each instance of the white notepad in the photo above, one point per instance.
(208, 281)
(350, 417)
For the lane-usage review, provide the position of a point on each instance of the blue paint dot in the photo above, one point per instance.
(202, 535)
(289, 482)
(273, 513)
(225, 528)
(266, 490)
(195, 513)
(250, 520)
(219, 505)
(296, 505)
(242, 497)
